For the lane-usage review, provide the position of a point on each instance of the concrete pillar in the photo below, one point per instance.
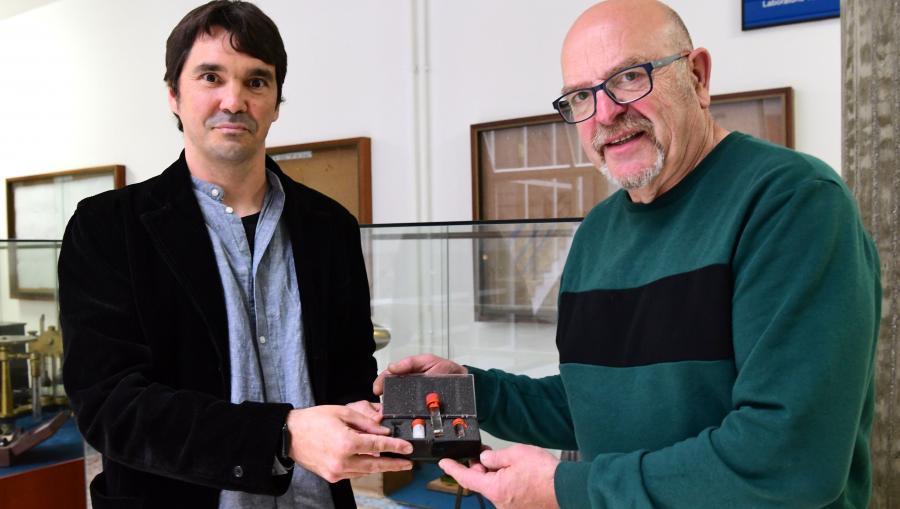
(870, 34)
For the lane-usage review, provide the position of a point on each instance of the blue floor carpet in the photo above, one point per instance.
(64, 445)
(415, 494)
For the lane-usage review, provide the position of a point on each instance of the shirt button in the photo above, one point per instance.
(229, 210)
(262, 339)
(214, 192)
(238, 471)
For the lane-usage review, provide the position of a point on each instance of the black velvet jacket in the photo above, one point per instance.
(146, 364)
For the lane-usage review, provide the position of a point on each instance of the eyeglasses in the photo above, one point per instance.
(623, 87)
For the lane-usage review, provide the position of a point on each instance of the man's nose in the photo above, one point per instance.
(607, 109)
(233, 98)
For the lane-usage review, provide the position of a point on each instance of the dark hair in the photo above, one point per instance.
(251, 32)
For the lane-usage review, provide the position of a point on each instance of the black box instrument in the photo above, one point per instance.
(436, 414)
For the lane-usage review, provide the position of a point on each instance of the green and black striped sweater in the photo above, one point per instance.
(716, 345)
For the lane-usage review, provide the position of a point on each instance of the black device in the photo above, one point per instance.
(444, 407)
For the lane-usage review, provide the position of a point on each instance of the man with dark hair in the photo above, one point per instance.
(250, 32)
(217, 316)
(717, 316)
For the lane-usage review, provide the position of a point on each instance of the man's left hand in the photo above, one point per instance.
(521, 476)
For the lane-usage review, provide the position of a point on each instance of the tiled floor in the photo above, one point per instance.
(371, 502)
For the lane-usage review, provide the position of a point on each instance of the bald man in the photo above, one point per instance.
(717, 316)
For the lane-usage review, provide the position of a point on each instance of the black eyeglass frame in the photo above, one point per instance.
(648, 67)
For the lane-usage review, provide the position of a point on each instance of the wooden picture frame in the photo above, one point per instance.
(39, 207)
(538, 164)
(767, 114)
(340, 169)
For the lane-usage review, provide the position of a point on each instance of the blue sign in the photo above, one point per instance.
(765, 13)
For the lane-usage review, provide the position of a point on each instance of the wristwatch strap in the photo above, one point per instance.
(284, 453)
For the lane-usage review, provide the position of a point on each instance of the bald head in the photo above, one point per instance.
(651, 19)
(645, 143)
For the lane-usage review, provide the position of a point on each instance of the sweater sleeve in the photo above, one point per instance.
(805, 313)
(522, 409)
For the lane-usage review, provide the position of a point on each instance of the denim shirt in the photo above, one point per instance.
(262, 300)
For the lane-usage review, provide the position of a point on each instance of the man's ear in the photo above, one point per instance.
(173, 100)
(277, 112)
(700, 64)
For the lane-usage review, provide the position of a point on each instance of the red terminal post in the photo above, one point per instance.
(460, 426)
(418, 428)
(433, 404)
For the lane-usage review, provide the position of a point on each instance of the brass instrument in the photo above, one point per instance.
(381, 335)
(43, 353)
(8, 409)
(49, 347)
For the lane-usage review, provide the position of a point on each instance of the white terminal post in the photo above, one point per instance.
(418, 428)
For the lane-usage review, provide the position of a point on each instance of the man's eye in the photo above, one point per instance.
(257, 83)
(580, 96)
(209, 78)
(630, 76)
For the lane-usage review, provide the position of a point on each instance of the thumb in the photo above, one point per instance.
(378, 384)
(465, 476)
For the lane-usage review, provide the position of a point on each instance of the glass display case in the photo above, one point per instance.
(480, 293)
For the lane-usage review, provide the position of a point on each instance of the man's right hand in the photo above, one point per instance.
(427, 364)
(337, 442)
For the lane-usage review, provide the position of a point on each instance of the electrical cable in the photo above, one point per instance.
(459, 494)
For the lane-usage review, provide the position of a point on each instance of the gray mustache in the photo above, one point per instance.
(604, 134)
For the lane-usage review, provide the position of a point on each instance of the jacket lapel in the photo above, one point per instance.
(311, 261)
(177, 229)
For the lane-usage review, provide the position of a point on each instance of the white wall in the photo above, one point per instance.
(83, 83)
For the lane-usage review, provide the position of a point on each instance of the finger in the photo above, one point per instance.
(368, 409)
(406, 365)
(369, 464)
(374, 444)
(478, 467)
(466, 477)
(495, 460)
(412, 364)
(360, 422)
(378, 385)
(355, 467)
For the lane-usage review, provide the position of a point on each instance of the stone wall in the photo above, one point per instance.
(871, 167)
